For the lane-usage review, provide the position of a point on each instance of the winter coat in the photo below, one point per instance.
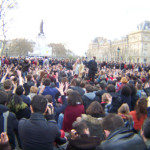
(123, 139)
(78, 89)
(126, 99)
(94, 125)
(116, 102)
(70, 115)
(12, 125)
(100, 93)
(88, 98)
(21, 110)
(37, 133)
(84, 143)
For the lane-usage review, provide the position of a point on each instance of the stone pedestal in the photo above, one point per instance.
(41, 47)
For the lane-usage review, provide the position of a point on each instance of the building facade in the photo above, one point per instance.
(134, 47)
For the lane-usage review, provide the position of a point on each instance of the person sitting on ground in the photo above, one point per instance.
(126, 95)
(17, 106)
(89, 96)
(74, 109)
(20, 92)
(81, 138)
(11, 124)
(118, 137)
(124, 112)
(33, 92)
(102, 90)
(93, 119)
(139, 114)
(75, 85)
(106, 102)
(116, 100)
(37, 133)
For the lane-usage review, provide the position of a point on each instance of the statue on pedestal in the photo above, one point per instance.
(41, 28)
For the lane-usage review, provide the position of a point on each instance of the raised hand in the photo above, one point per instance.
(4, 138)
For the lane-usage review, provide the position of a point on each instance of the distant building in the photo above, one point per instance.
(134, 47)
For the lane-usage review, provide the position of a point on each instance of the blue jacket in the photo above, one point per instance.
(60, 109)
(50, 91)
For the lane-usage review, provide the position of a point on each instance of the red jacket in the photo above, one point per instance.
(70, 115)
(137, 123)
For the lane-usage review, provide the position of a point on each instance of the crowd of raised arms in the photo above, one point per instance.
(61, 104)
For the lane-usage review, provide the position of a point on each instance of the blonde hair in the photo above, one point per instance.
(124, 109)
(105, 97)
(33, 89)
(124, 80)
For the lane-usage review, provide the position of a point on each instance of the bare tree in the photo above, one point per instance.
(5, 7)
(58, 50)
(20, 47)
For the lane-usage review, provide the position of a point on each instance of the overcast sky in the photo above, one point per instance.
(76, 22)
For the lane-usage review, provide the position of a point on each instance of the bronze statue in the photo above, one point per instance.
(41, 27)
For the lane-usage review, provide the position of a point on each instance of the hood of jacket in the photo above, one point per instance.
(90, 95)
(3, 108)
(93, 120)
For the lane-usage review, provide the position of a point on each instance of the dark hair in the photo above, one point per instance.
(89, 88)
(103, 85)
(146, 128)
(77, 81)
(3, 97)
(74, 98)
(47, 82)
(19, 90)
(94, 108)
(7, 84)
(126, 91)
(133, 89)
(29, 77)
(83, 83)
(141, 108)
(17, 99)
(79, 127)
(49, 98)
(39, 103)
(112, 122)
(111, 88)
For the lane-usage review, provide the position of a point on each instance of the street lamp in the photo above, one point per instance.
(6, 52)
(118, 53)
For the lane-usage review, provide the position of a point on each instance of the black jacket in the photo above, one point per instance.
(88, 98)
(12, 125)
(84, 143)
(123, 139)
(37, 133)
(78, 89)
(100, 93)
(116, 102)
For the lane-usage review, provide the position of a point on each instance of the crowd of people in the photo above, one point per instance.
(62, 104)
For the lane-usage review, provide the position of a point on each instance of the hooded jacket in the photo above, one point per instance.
(12, 125)
(94, 125)
(88, 98)
(123, 139)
